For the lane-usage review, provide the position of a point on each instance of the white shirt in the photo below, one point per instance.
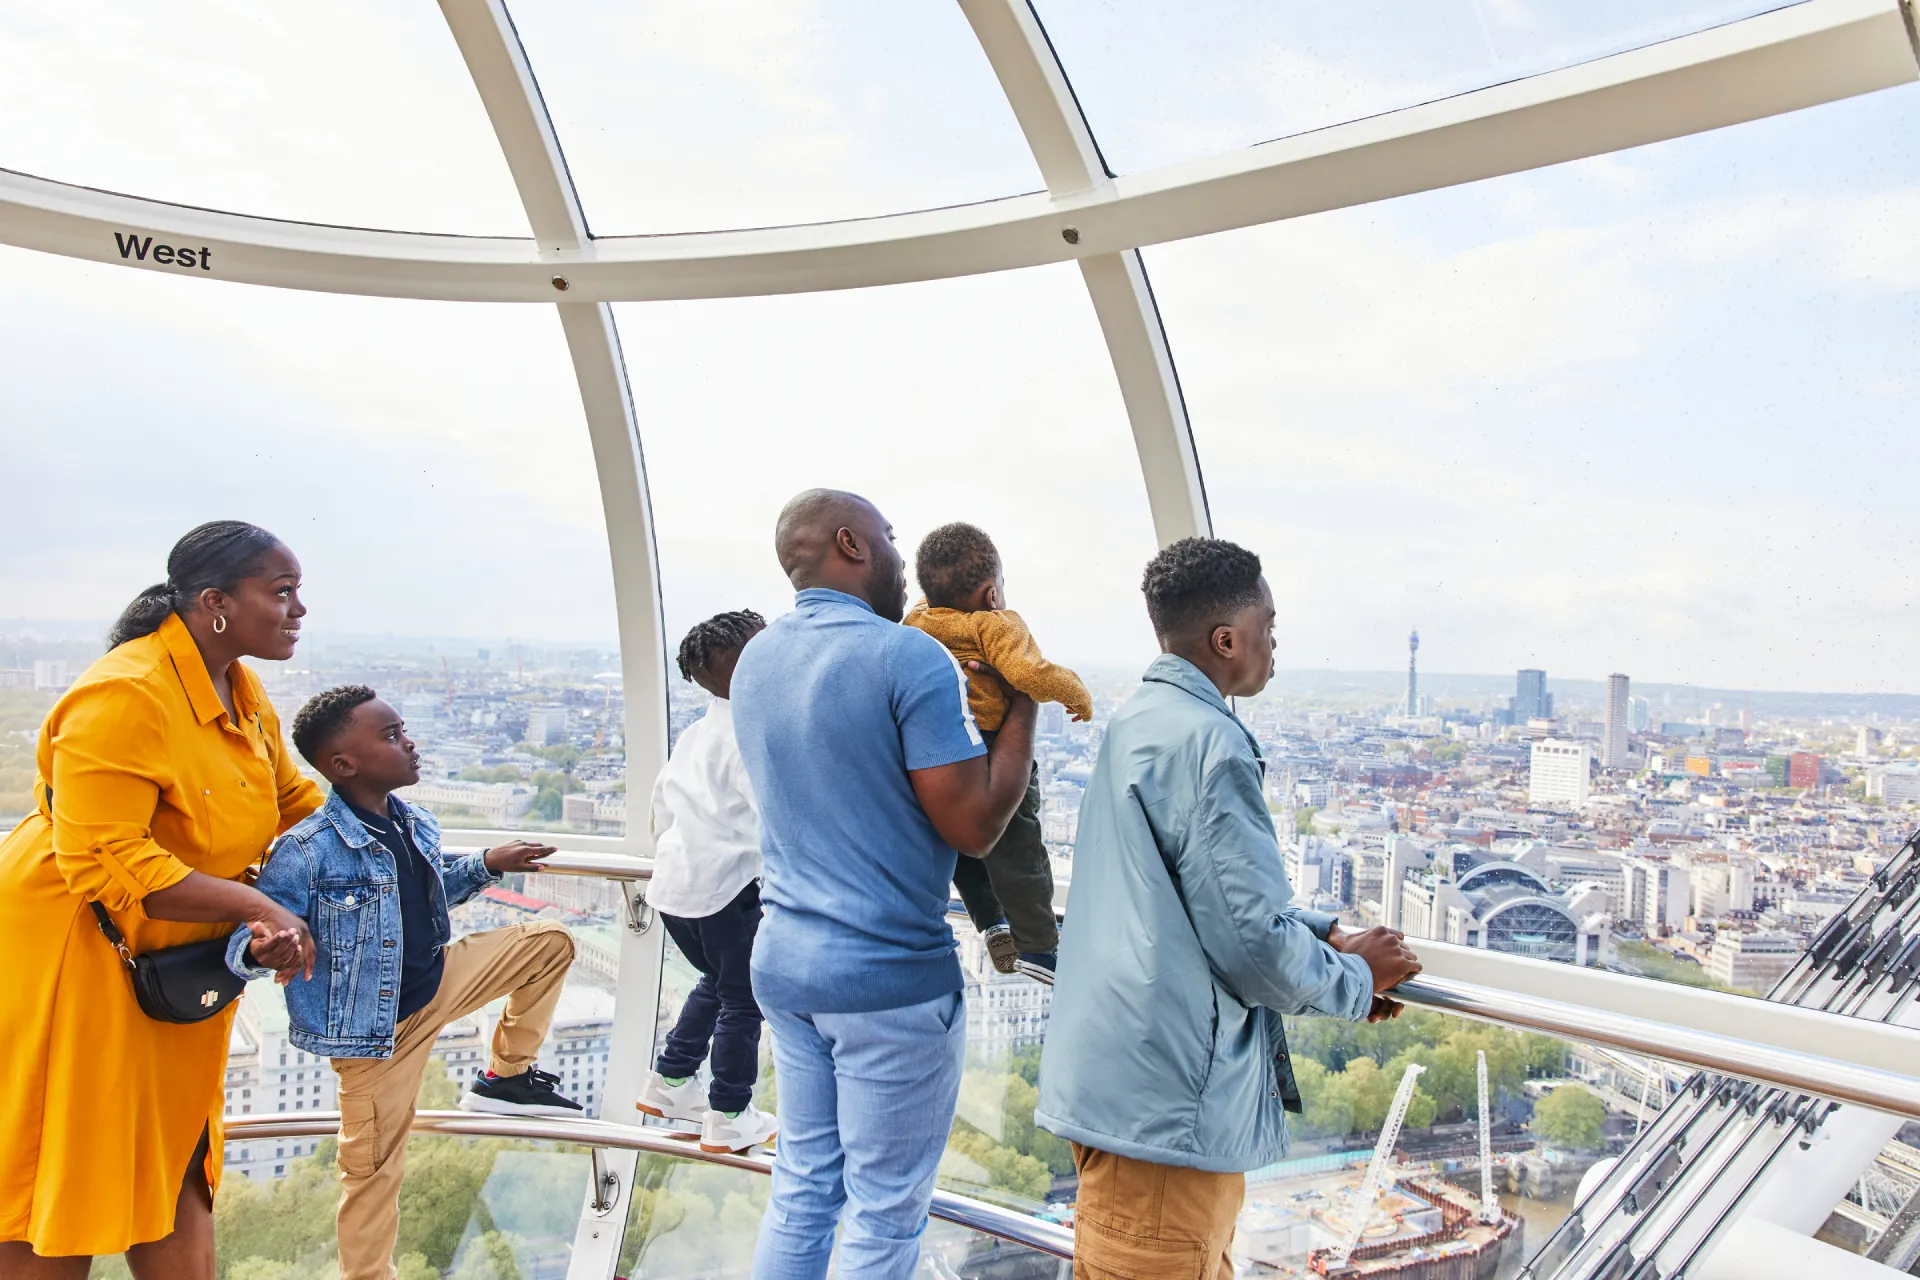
(706, 829)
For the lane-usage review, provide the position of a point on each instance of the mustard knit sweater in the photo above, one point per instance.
(1000, 639)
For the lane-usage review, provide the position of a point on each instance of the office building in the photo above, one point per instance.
(1803, 769)
(547, 726)
(1530, 700)
(1659, 895)
(1558, 775)
(1639, 715)
(493, 802)
(1312, 792)
(1751, 961)
(1613, 738)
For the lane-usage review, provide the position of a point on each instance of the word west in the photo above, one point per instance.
(136, 248)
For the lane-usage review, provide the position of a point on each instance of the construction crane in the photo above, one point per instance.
(1489, 1206)
(1366, 1197)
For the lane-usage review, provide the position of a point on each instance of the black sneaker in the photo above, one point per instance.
(531, 1093)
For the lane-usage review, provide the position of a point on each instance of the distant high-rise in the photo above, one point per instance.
(1613, 743)
(1639, 715)
(1413, 678)
(1531, 701)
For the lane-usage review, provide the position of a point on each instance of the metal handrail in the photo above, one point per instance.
(948, 1206)
(1856, 1072)
(1835, 1078)
(1726, 1055)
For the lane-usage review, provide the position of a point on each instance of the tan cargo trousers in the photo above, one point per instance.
(526, 963)
(1135, 1220)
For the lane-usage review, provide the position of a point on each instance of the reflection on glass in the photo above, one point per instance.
(996, 1152)
(1544, 699)
(475, 1208)
(1163, 83)
(691, 1219)
(689, 115)
(688, 1219)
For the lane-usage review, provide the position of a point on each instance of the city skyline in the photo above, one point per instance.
(500, 647)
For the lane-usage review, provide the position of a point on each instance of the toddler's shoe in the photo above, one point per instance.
(737, 1133)
(685, 1102)
(531, 1093)
(1002, 949)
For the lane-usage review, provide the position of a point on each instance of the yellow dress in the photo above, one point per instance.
(100, 1106)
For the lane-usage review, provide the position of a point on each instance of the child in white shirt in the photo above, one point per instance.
(706, 887)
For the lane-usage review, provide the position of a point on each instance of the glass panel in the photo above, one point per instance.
(357, 113)
(687, 115)
(427, 461)
(987, 399)
(1348, 1074)
(1562, 1116)
(691, 1219)
(996, 1152)
(477, 1208)
(578, 1047)
(1163, 83)
(1558, 423)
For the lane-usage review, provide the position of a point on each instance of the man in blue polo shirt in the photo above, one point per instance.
(870, 775)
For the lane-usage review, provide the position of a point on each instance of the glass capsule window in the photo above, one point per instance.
(1572, 446)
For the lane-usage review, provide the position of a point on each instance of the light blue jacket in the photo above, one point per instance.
(332, 872)
(1181, 948)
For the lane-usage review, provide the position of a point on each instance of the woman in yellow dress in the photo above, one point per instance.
(161, 777)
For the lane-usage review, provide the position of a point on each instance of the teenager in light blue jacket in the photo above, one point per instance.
(1165, 1061)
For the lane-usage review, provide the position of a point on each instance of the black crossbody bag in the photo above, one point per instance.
(188, 983)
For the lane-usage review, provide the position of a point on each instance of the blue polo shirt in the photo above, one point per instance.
(832, 705)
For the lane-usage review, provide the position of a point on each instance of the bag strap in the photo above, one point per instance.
(113, 933)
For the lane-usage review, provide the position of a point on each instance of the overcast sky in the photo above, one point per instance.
(1650, 412)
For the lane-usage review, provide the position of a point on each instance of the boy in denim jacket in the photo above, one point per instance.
(384, 979)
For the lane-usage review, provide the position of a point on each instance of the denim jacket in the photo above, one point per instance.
(1182, 946)
(332, 872)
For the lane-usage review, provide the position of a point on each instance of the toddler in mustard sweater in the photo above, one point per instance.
(1009, 893)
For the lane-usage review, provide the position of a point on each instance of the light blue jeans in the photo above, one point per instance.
(866, 1103)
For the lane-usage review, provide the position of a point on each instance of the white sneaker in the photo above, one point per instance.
(739, 1133)
(685, 1102)
(1002, 950)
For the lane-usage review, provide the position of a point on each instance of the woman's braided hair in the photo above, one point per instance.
(717, 634)
(216, 554)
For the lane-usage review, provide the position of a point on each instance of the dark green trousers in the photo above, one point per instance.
(1014, 882)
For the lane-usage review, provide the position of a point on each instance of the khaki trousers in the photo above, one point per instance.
(1140, 1221)
(526, 963)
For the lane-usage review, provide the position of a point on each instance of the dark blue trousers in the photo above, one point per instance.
(720, 1011)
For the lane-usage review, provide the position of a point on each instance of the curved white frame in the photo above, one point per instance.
(498, 63)
(1808, 53)
(1813, 52)
(1062, 142)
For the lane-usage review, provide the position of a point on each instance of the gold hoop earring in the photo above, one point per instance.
(219, 623)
